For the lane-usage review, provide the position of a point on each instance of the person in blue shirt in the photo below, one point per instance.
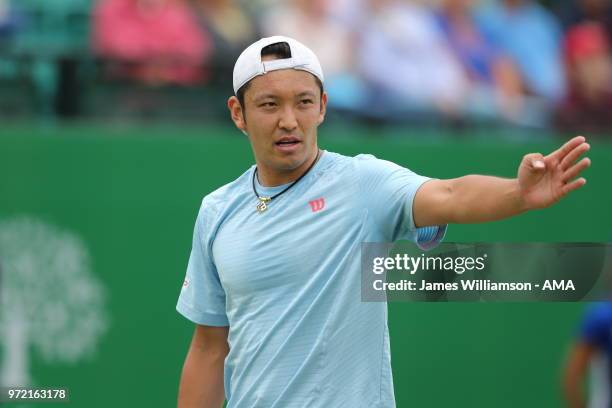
(592, 349)
(273, 280)
(531, 36)
(496, 86)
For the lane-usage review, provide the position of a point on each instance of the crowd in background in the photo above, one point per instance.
(514, 61)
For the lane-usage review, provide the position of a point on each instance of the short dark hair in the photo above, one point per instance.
(280, 50)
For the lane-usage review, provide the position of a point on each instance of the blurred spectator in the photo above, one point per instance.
(310, 22)
(531, 36)
(494, 78)
(406, 62)
(154, 41)
(588, 106)
(591, 356)
(231, 28)
(10, 19)
(580, 11)
(350, 13)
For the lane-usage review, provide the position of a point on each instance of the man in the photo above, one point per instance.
(273, 281)
(592, 348)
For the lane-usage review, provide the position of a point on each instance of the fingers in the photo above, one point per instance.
(574, 185)
(535, 161)
(567, 147)
(576, 169)
(573, 155)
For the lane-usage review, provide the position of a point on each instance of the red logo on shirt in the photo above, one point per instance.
(317, 205)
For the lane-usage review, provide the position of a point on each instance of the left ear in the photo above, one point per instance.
(323, 107)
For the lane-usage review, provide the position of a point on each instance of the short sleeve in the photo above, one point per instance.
(202, 297)
(389, 190)
(596, 326)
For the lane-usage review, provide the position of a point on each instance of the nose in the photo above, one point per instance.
(288, 120)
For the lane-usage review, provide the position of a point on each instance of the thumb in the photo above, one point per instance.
(535, 161)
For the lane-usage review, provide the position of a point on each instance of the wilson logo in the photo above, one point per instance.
(317, 205)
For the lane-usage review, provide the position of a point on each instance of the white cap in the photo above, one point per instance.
(249, 63)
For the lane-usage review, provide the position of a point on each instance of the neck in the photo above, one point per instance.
(272, 177)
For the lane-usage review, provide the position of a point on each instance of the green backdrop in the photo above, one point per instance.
(132, 194)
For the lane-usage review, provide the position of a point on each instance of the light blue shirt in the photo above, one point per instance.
(287, 283)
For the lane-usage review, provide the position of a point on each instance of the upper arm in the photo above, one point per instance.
(202, 380)
(431, 205)
(579, 358)
(211, 339)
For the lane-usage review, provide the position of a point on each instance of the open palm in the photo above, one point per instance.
(544, 180)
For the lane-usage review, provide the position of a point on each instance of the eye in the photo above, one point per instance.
(269, 104)
(306, 101)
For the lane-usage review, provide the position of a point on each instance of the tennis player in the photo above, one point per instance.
(273, 281)
(591, 354)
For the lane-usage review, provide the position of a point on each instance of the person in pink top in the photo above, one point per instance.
(588, 57)
(154, 41)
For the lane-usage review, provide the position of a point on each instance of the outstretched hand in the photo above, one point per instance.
(544, 180)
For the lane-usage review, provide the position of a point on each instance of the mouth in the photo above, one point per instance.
(288, 143)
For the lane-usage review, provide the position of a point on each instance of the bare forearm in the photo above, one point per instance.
(575, 373)
(476, 198)
(573, 394)
(202, 380)
(541, 182)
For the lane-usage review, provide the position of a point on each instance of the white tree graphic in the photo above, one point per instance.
(49, 298)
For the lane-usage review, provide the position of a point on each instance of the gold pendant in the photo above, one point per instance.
(262, 206)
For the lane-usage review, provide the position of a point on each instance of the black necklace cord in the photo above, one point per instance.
(290, 185)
